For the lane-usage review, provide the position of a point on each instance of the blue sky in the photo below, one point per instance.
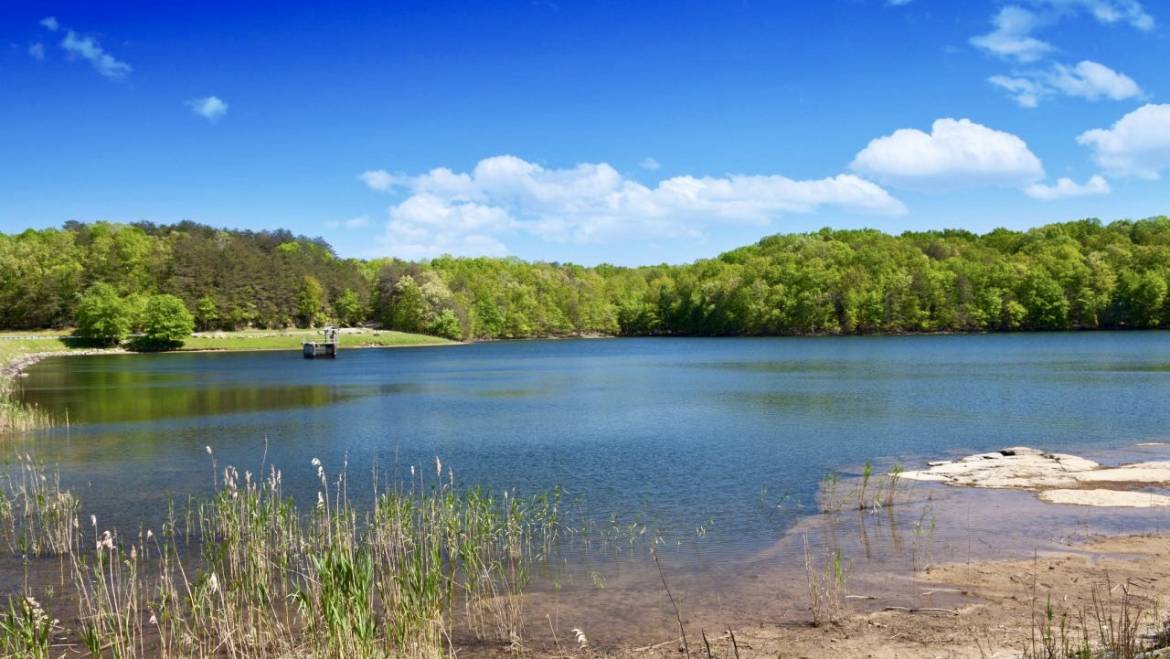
(631, 133)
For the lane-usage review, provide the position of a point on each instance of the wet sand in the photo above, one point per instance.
(944, 572)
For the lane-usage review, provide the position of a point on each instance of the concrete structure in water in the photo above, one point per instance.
(326, 348)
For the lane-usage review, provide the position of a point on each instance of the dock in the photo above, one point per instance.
(326, 348)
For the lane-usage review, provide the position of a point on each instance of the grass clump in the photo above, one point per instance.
(39, 518)
(826, 586)
(248, 573)
(25, 629)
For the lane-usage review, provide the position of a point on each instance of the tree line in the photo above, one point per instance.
(1074, 275)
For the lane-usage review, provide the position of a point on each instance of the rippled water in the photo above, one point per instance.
(728, 434)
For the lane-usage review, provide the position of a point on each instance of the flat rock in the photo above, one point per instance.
(1106, 498)
(1017, 467)
(1058, 477)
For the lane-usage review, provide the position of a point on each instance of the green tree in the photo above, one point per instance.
(349, 308)
(310, 302)
(102, 315)
(409, 309)
(166, 320)
(446, 325)
(206, 312)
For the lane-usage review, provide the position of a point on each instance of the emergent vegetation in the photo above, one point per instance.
(1076, 275)
(249, 574)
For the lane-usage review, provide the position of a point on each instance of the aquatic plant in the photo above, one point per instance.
(866, 474)
(247, 573)
(826, 586)
(37, 517)
(25, 629)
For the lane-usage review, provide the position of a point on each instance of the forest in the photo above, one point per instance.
(1075, 275)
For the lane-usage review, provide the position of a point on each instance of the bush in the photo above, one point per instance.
(103, 316)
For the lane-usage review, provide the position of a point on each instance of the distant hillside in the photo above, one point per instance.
(1075, 275)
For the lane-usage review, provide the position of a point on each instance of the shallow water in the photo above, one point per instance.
(717, 446)
(732, 435)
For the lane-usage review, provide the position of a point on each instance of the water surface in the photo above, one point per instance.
(732, 435)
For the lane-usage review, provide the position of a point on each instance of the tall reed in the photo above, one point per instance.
(248, 573)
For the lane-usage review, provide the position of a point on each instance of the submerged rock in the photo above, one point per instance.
(1106, 498)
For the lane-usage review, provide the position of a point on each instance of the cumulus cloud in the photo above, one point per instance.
(1089, 80)
(50, 23)
(211, 108)
(1138, 144)
(89, 49)
(37, 51)
(649, 164)
(467, 212)
(955, 153)
(1012, 36)
(1066, 187)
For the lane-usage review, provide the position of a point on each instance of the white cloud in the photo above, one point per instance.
(1066, 187)
(37, 51)
(211, 108)
(461, 212)
(1138, 144)
(956, 153)
(1014, 25)
(1012, 36)
(360, 222)
(1092, 81)
(89, 49)
(1105, 11)
(1025, 91)
(1089, 80)
(377, 179)
(649, 164)
(425, 225)
(50, 23)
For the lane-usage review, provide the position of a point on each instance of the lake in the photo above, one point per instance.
(731, 436)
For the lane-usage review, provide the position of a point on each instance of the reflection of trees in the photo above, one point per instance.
(117, 395)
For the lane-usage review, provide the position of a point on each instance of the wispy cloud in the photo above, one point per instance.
(50, 23)
(37, 51)
(469, 212)
(1089, 80)
(211, 108)
(359, 222)
(1105, 11)
(1012, 36)
(1014, 25)
(649, 164)
(89, 49)
(1066, 187)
